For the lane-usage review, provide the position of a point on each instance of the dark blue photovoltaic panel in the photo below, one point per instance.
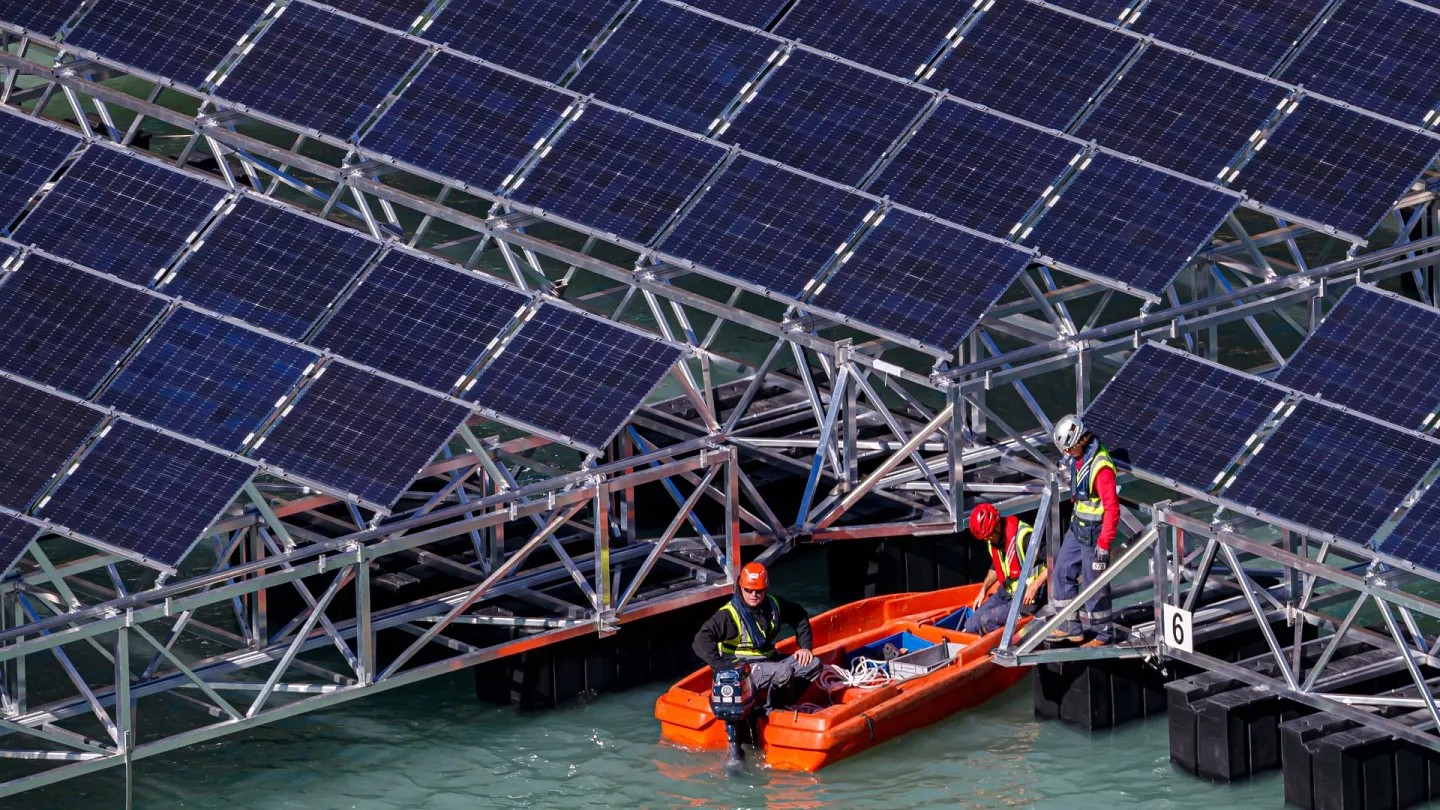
(1253, 34)
(38, 433)
(1181, 113)
(119, 214)
(1178, 416)
(826, 117)
(417, 319)
(398, 14)
(360, 433)
(577, 376)
(1374, 353)
(44, 17)
(207, 378)
(1333, 471)
(272, 267)
(1417, 538)
(67, 328)
(16, 535)
(1337, 166)
(1032, 62)
(922, 279)
(139, 490)
(467, 121)
(1378, 55)
(542, 38)
(321, 70)
(619, 174)
(1106, 11)
(674, 65)
(757, 13)
(178, 39)
(30, 153)
(765, 225)
(896, 36)
(1131, 223)
(974, 168)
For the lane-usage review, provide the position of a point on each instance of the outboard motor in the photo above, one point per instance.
(732, 701)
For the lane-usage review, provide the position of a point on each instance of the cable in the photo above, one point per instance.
(864, 673)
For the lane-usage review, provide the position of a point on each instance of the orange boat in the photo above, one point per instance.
(854, 718)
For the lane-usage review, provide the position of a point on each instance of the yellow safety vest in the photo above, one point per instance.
(1013, 560)
(741, 645)
(1089, 509)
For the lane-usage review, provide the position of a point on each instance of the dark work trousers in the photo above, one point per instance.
(1073, 573)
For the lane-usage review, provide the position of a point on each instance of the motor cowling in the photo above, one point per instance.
(731, 695)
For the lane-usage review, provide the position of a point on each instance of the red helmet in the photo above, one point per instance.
(983, 520)
(754, 577)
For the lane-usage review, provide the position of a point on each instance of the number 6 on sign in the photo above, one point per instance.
(1177, 629)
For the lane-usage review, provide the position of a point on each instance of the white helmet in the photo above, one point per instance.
(1068, 432)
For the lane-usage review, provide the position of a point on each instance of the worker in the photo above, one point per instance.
(1008, 544)
(1085, 550)
(746, 628)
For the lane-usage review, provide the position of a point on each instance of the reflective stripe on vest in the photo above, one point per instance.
(741, 645)
(1013, 564)
(1088, 506)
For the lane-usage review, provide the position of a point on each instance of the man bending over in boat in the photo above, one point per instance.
(745, 630)
(1009, 542)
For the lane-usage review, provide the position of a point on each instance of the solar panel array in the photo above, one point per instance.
(540, 37)
(399, 14)
(25, 413)
(756, 13)
(30, 153)
(44, 17)
(1374, 353)
(896, 36)
(1254, 34)
(16, 534)
(1175, 416)
(1417, 537)
(178, 39)
(573, 375)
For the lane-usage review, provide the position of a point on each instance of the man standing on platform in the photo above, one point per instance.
(1085, 551)
(1009, 545)
(746, 628)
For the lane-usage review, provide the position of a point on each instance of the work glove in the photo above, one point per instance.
(1101, 560)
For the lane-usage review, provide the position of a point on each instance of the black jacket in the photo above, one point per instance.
(721, 627)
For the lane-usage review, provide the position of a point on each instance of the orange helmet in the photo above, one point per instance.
(983, 520)
(754, 577)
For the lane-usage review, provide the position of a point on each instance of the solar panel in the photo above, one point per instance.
(361, 433)
(321, 70)
(16, 535)
(539, 37)
(271, 267)
(1131, 223)
(826, 117)
(1374, 353)
(1180, 417)
(44, 17)
(767, 226)
(619, 174)
(1417, 537)
(119, 214)
(179, 39)
(1032, 62)
(419, 320)
(1333, 471)
(757, 13)
(398, 14)
(674, 65)
(1375, 55)
(573, 375)
(1181, 113)
(39, 432)
(29, 155)
(206, 378)
(1337, 166)
(922, 279)
(67, 328)
(1253, 34)
(142, 491)
(896, 36)
(1106, 11)
(974, 168)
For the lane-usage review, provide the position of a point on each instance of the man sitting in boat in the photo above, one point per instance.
(1009, 542)
(1085, 551)
(746, 628)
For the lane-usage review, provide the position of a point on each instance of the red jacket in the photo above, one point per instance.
(1110, 525)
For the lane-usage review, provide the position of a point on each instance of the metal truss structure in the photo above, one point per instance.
(518, 542)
